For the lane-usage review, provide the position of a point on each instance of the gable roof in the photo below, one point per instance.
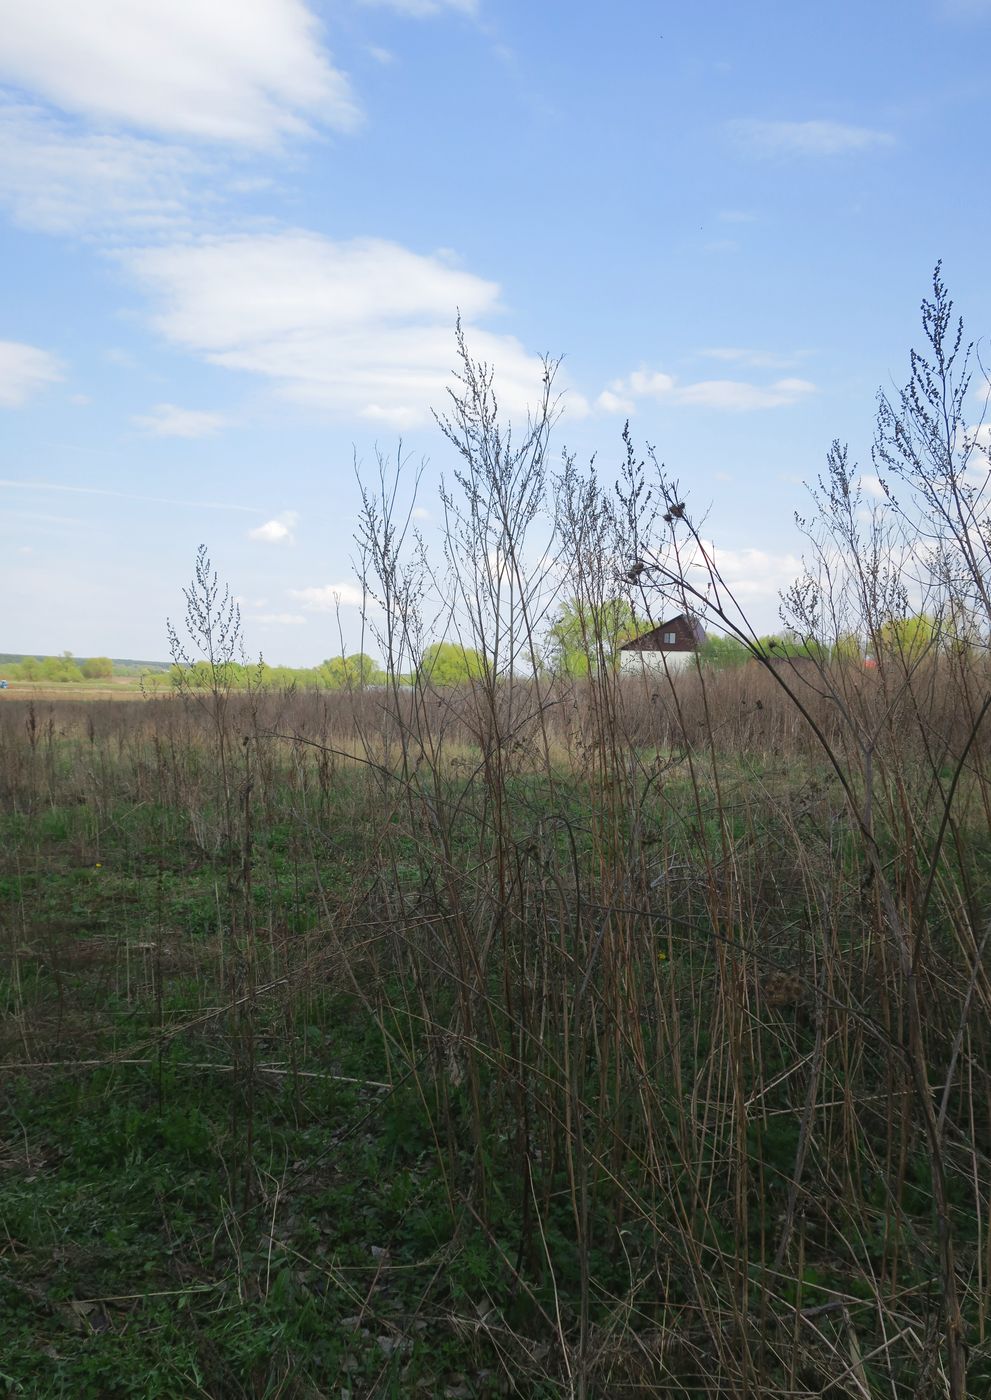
(688, 629)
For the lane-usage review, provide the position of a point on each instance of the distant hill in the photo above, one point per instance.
(122, 666)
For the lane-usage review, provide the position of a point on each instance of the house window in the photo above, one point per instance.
(670, 638)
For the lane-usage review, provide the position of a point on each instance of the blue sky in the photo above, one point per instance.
(234, 235)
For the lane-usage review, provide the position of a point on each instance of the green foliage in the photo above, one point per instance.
(583, 637)
(60, 668)
(447, 663)
(98, 668)
(723, 653)
(726, 653)
(787, 644)
(847, 648)
(337, 673)
(350, 672)
(910, 638)
(46, 669)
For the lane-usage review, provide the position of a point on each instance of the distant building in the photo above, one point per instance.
(666, 648)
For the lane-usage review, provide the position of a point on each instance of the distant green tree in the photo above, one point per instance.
(582, 637)
(788, 644)
(60, 668)
(98, 668)
(847, 648)
(201, 674)
(723, 653)
(909, 638)
(350, 672)
(447, 663)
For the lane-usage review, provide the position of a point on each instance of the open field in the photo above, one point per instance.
(121, 688)
(545, 1042)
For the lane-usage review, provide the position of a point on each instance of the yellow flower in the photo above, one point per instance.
(98, 866)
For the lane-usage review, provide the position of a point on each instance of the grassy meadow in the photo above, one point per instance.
(440, 1043)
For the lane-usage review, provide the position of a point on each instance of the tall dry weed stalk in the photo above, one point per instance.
(604, 971)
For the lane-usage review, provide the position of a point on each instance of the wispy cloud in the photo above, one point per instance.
(222, 71)
(125, 496)
(59, 179)
(733, 395)
(966, 9)
(739, 396)
(751, 359)
(24, 370)
(361, 328)
(169, 421)
(282, 619)
(424, 9)
(277, 531)
(809, 138)
(328, 597)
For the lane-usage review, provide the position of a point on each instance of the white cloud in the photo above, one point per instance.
(24, 370)
(424, 9)
(730, 394)
(610, 402)
(757, 574)
(223, 70)
(282, 619)
(277, 531)
(421, 513)
(359, 328)
(650, 383)
(871, 486)
(168, 420)
(329, 597)
(742, 397)
(751, 575)
(811, 138)
(55, 178)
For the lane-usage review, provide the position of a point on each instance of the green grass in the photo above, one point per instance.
(133, 1263)
(179, 1221)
